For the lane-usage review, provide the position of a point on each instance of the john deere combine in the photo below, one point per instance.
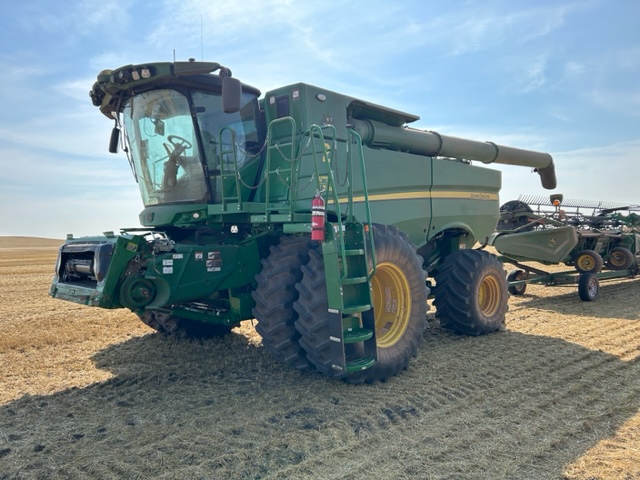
(322, 216)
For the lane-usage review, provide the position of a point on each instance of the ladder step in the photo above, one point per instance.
(360, 364)
(355, 335)
(354, 251)
(356, 309)
(355, 280)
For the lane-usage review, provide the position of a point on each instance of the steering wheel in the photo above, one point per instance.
(179, 144)
(178, 141)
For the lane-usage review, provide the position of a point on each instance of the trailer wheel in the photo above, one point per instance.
(620, 258)
(588, 261)
(515, 276)
(275, 295)
(588, 287)
(183, 327)
(471, 293)
(399, 294)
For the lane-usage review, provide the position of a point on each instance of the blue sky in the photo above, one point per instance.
(556, 76)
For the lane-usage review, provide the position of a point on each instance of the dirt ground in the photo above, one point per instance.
(90, 393)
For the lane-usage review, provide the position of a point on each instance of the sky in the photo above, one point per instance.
(555, 76)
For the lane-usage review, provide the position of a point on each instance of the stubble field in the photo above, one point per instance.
(90, 393)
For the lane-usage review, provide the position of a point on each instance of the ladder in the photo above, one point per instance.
(348, 250)
(349, 260)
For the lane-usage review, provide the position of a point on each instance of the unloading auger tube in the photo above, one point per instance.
(423, 142)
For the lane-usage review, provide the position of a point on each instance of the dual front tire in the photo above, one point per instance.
(471, 299)
(293, 313)
(399, 295)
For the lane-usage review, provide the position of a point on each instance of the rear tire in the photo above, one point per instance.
(275, 296)
(471, 293)
(399, 294)
(620, 258)
(588, 261)
(588, 287)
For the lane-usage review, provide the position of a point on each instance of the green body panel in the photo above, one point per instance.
(100, 292)
(545, 246)
(187, 272)
(190, 272)
(421, 195)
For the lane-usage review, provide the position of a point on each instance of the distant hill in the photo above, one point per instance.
(29, 242)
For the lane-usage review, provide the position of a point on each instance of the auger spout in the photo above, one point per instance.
(424, 142)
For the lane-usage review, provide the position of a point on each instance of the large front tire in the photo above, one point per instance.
(275, 295)
(400, 305)
(471, 293)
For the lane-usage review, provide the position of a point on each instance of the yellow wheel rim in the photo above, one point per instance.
(489, 296)
(392, 303)
(585, 262)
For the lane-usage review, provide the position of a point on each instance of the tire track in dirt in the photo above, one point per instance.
(426, 416)
(541, 410)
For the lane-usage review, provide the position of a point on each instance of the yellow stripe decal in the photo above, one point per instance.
(426, 195)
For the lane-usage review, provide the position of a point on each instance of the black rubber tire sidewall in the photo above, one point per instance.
(275, 295)
(456, 294)
(513, 276)
(391, 246)
(629, 258)
(588, 287)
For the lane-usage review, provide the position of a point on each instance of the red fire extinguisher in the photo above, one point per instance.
(317, 217)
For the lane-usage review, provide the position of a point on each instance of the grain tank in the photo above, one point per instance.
(324, 217)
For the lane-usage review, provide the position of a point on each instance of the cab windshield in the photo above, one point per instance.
(170, 153)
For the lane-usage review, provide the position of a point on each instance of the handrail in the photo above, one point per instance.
(324, 164)
(329, 191)
(293, 177)
(230, 151)
(355, 138)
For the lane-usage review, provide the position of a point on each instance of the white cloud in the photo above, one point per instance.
(530, 75)
(491, 24)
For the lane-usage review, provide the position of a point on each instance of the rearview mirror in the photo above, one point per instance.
(113, 141)
(231, 94)
(158, 127)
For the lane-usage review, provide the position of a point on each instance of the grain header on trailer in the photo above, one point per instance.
(590, 236)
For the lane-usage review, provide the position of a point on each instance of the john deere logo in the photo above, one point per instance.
(552, 242)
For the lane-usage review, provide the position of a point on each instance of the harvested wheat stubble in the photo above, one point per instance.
(89, 393)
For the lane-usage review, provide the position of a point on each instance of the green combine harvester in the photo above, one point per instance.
(322, 216)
